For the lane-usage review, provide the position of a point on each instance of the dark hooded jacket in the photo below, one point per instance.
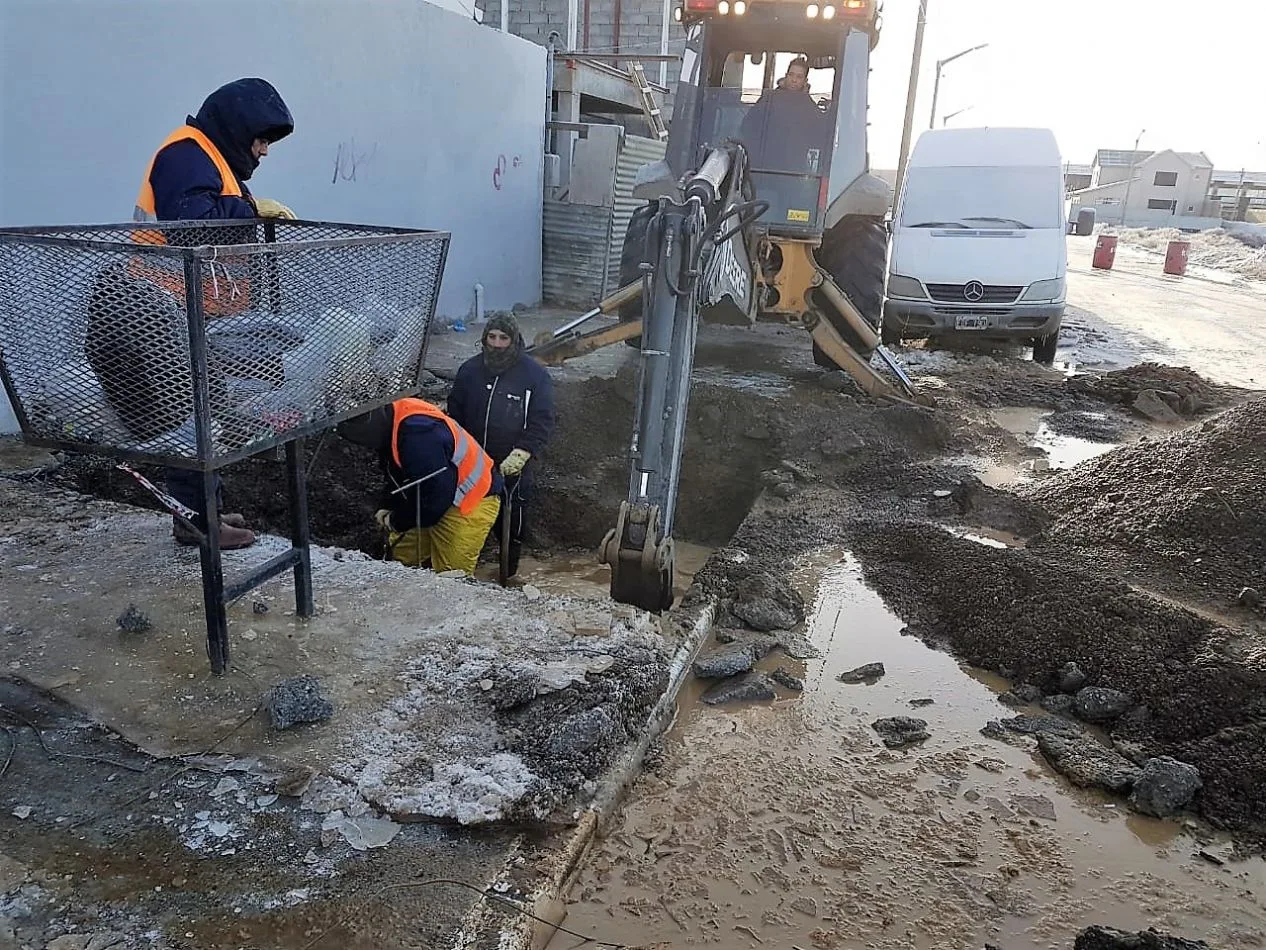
(186, 183)
(426, 450)
(506, 410)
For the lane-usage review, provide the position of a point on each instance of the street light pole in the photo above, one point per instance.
(911, 95)
(936, 87)
(1129, 178)
(945, 118)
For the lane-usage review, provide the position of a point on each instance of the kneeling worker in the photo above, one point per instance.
(442, 491)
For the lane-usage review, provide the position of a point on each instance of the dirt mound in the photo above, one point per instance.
(1025, 617)
(1190, 504)
(1195, 394)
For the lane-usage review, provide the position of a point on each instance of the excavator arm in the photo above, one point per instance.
(695, 255)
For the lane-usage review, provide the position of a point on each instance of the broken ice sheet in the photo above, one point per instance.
(226, 785)
(363, 832)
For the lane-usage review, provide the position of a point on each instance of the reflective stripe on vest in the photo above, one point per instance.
(474, 465)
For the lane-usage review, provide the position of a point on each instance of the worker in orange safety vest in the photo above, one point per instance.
(198, 173)
(442, 491)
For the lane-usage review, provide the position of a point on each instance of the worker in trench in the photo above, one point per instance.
(506, 400)
(198, 173)
(442, 491)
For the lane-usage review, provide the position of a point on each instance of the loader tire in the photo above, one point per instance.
(631, 264)
(855, 254)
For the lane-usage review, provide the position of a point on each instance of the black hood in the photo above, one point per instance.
(373, 430)
(237, 114)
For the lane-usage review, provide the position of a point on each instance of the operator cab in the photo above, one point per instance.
(735, 66)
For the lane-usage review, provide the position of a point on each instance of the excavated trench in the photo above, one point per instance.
(731, 440)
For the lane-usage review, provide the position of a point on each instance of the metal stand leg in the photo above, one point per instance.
(213, 577)
(297, 477)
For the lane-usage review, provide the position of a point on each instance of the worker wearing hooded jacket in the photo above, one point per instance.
(442, 491)
(506, 400)
(200, 173)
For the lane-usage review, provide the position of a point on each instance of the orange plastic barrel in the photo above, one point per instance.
(1105, 252)
(1176, 258)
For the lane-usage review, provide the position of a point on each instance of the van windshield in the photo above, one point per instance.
(982, 197)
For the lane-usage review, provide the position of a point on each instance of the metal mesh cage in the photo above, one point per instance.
(198, 343)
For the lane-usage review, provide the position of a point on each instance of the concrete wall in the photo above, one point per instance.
(406, 114)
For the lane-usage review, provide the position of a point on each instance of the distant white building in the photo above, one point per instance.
(1163, 189)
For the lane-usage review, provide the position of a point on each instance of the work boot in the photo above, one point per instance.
(231, 538)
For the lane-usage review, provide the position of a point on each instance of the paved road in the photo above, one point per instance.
(1215, 326)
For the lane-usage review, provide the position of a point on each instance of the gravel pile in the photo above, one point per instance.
(1194, 393)
(1191, 505)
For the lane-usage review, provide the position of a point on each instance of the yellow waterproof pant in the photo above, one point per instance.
(451, 544)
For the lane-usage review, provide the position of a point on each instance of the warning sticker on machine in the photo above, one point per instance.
(794, 215)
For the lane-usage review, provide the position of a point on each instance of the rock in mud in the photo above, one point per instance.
(298, 700)
(1100, 704)
(863, 674)
(1151, 404)
(901, 731)
(787, 679)
(1249, 597)
(751, 687)
(133, 620)
(1086, 762)
(769, 603)
(1027, 693)
(797, 647)
(1034, 806)
(1031, 726)
(1059, 704)
(1165, 787)
(730, 663)
(1109, 938)
(585, 733)
(1071, 678)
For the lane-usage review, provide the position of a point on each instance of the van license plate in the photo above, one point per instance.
(971, 321)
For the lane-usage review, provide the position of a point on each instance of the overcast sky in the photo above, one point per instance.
(1190, 73)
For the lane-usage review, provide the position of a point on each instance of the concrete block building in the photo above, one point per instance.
(1151, 190)
(622, 27)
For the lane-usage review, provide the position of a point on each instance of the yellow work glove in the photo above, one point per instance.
(383, 517)
(267, 208)
(513, 465)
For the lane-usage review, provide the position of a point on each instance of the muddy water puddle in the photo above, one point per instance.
(578, 573)
(789, 826)
(1032, 428)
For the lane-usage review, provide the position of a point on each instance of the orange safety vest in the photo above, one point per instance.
(222, 294)
(474, 465)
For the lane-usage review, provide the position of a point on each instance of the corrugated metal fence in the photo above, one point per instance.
(575, 243)
(582, 243)
(637, 152)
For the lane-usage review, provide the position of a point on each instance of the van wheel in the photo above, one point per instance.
(889, 334)
(1044, 348)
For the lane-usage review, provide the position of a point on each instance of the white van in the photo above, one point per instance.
(978, 243)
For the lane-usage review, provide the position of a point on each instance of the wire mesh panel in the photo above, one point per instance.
(197, 343)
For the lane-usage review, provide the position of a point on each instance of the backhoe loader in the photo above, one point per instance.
(762, 209)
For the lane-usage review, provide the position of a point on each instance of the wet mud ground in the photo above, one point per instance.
(751, 809)
(789, 825)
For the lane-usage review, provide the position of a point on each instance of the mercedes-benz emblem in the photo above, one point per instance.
(974, 291)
